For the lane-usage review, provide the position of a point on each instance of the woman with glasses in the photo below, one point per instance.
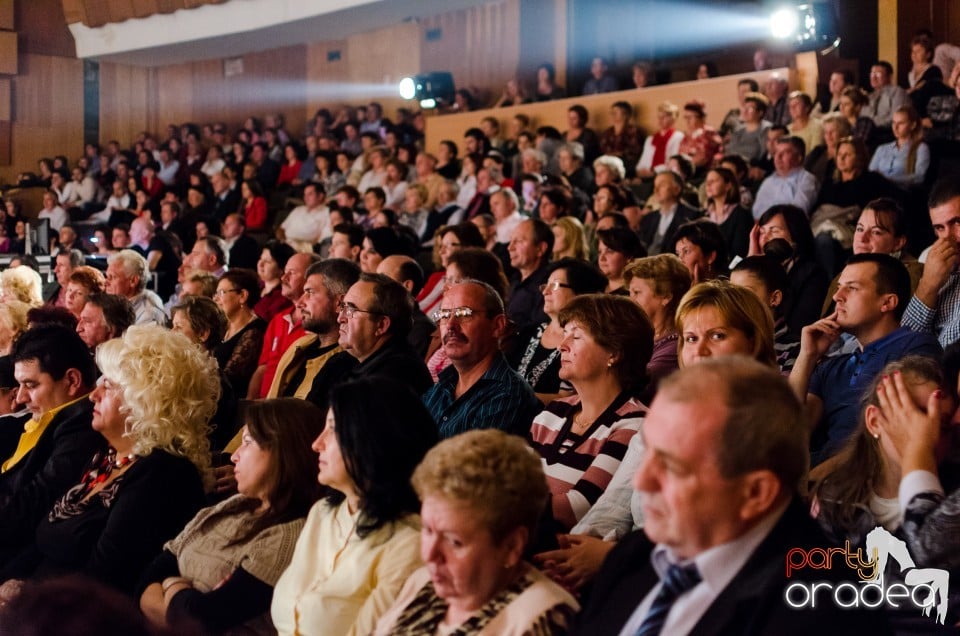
(238, 291)
(537, 359)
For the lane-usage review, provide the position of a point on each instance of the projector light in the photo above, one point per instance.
(408, 88)
(784, 23)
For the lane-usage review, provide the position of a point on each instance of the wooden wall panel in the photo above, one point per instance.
(7, 15)
(480, 45)
(47, 112)
(8, 52)
(128, 101)
(43, 28)
(6, 99)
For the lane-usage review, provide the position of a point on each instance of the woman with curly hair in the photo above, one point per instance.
(21, 283)
(152, 405)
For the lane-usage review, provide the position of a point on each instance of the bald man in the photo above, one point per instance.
(408, 273)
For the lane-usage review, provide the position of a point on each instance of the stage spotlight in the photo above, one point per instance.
(807, 26)
(784, 23)
(430, 89)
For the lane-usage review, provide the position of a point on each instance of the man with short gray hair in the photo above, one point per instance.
(127, 275)
(721, 512)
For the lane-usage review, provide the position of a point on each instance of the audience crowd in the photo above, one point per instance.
(584, 381)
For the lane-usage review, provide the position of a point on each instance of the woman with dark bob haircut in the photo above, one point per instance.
(607, 343)
(362, 541)
(238, 291)
(221, 569)
(617, 246)
(537, 357)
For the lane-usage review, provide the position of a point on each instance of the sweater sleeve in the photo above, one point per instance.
(164, 566)
(241, 598)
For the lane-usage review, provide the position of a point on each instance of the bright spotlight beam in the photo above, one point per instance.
(408, 88)
(784, 23)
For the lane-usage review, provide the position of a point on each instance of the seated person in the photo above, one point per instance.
(361, 541)
(55, 374)
(661, 145)
(905, 160)
(481, 495)
(872, 295)
(749, 139)
(790, 183)
(657, 229)
(765, 277)
(802, 125)
(851, 184)
(151, 405)
(700, 246)
(221, 569)
(607, 343)
(703, 521)
(783, 232)
(537, 358)
(935, 307)
(479, 389)
(724, 208)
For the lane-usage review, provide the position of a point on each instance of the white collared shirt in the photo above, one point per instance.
(718, 566)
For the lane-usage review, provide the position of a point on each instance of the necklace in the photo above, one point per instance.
(102, 470)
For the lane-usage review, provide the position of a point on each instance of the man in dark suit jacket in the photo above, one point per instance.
(244, 250)
(226, 200)
(730, 509)
(375, 320)
(658, 239)
(55, 372)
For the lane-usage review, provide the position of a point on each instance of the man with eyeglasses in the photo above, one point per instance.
(375, 317)
(478, 389)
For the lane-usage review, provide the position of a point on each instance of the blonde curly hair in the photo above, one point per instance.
(170, 391)
(22, 283)
(13, 316)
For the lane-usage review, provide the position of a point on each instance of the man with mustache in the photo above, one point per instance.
(478, 389)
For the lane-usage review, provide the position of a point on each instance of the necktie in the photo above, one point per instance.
(678, 580)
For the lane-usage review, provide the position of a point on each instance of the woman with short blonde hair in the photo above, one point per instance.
(739, 311)
(487, 488)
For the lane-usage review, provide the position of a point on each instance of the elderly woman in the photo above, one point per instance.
(821, 159)
(482, 494)
(360, 543)
(538, 360)
(270, 267)
(238, 291)
(13, 322)
(607, 343)
(617, 246)
(607, 170)
(21, 283)
(84, 281)
(714, 318)
(656, 284)
(448, 240)
(152, 404)
(662, 144)
(701, 246)
(221, 569)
